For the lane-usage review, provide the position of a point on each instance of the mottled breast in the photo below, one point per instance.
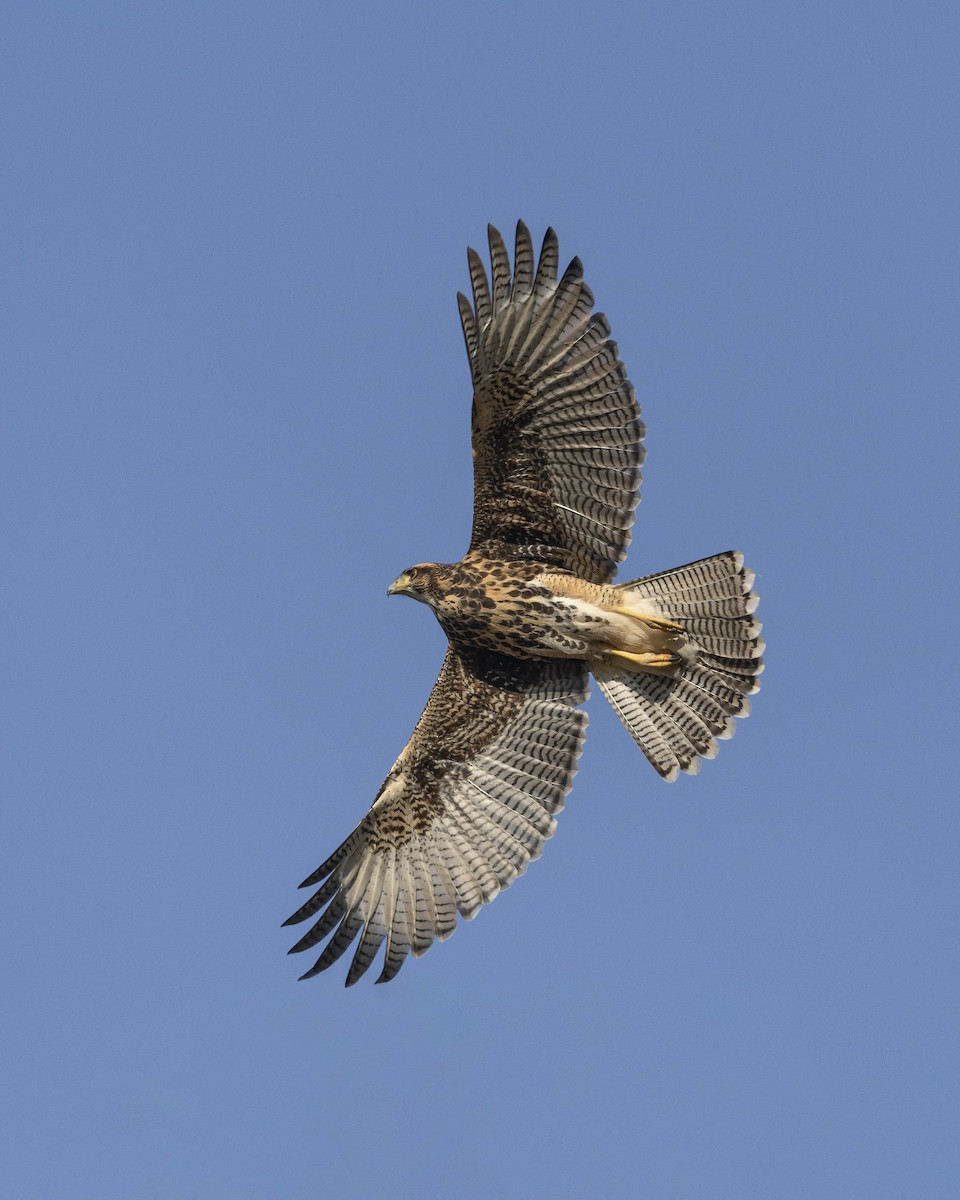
(501, 605)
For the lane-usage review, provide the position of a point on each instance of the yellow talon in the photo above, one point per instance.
(660, 623)
(646, 659)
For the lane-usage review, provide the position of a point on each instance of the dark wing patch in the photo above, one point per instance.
(557, 435)
(467, 805)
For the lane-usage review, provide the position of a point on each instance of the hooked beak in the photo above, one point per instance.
(399, 586)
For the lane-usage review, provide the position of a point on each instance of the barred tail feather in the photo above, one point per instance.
(676, 716)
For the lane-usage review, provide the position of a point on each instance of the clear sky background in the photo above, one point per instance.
(236, 405)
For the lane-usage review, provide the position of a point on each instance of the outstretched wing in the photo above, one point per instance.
(466, 806)
(557, 435)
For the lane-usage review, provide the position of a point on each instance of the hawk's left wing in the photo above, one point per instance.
(557, 435)
(467, 805)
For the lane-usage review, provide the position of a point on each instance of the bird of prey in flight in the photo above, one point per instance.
(530, 613)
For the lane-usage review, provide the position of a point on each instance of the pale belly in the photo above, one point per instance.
(587, 629)
(555, 616)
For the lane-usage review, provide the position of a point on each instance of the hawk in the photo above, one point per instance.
(530, 613)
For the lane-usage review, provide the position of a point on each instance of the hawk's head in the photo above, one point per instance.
(420, 582)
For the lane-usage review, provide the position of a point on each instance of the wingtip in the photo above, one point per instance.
(303, 944)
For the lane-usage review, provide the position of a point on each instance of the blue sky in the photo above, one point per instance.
(237, 406)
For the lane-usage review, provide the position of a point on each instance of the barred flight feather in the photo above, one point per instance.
(674, 718)
(549, 389)
(502, 758)
(523, 262)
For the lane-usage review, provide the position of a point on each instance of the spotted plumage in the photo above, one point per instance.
(530, 612)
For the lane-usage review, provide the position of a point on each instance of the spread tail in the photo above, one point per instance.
(676, 714)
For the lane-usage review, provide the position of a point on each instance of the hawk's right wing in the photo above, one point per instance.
(467, 805)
